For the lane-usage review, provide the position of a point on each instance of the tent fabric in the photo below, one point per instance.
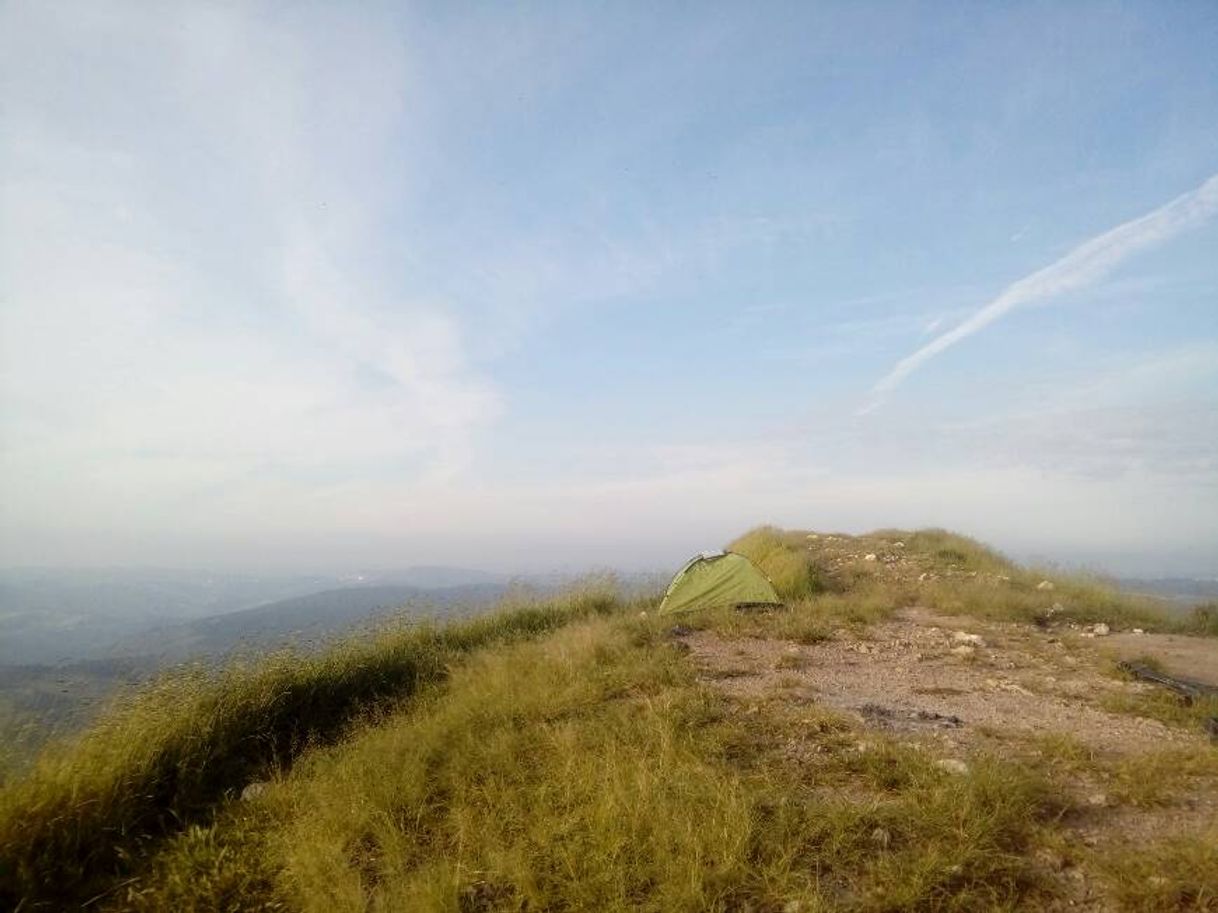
(712, 580)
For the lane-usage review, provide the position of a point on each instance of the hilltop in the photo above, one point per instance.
(924, 726)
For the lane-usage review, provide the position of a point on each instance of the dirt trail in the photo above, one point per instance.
(956, 679)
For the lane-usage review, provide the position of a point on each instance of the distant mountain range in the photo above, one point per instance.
(304, 621)
(58, 662)
(54, 615)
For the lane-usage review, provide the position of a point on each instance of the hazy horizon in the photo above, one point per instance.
(310, 288)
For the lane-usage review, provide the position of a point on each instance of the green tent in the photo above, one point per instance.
(718, 579)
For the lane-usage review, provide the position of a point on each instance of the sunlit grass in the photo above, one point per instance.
(165, 754)
(591, 771)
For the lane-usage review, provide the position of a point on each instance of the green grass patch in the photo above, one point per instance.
(163, 756)
(1174, 874)
(958, 575)
(590, 770)
(1165, 706)
(1161, 778)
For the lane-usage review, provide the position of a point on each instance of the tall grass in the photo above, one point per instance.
(590, 771)
(959, 575)
(164, 755)
(793, 572)
(1179, 873)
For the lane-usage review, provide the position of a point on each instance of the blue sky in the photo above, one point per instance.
(317, 286)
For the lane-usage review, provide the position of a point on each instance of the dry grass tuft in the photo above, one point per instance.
(165, 755)
(591, 770)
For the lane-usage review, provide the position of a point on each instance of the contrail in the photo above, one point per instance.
(1088, 262)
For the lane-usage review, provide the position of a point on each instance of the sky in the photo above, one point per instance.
(315, 286)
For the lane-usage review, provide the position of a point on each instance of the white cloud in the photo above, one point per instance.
(190, 198)
(1083, 266)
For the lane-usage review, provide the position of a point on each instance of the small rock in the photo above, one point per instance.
(643, 614)
(964, 650)
(813, 536)
(870, 556)
(1137, 631)
(1100, 630)
(1045, 585)
(923, 576)
(952, 766)
(254, 790)
(1099, 800)
(1056, 609)
(898, 545)
(963, 637)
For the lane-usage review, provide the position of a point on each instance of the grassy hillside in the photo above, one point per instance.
(952, 573)
(572, 755)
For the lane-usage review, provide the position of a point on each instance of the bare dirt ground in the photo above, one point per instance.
(957, 685)
(1191, 657)
(922, 673)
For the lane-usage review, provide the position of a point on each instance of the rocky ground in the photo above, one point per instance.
(957, 686)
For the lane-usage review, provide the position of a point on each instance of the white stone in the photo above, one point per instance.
(1138, 631)
(952, 766)
(869, 557)
(1100, 630)
(1045, 585)
(254, 790)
